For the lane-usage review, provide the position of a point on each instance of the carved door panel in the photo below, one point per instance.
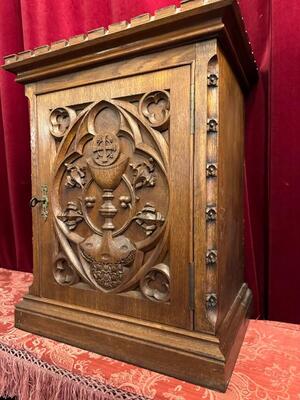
(116, 157)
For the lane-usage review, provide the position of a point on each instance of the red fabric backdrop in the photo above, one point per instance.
(284, 163)
(272, 165)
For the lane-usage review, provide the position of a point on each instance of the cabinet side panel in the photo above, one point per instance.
(230, 188)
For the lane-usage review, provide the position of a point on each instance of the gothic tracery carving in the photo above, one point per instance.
(107, 250)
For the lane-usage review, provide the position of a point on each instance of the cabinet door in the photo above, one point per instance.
(116, 157)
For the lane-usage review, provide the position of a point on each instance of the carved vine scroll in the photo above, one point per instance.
(111, 194)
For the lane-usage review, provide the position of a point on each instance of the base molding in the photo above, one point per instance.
(199, 358)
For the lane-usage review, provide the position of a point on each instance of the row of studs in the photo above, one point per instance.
(211, 190)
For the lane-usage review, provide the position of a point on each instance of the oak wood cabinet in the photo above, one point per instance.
(137, 178)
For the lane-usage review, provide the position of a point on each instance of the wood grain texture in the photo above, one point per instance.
(138, 242)
(178, 249)
(230, 188)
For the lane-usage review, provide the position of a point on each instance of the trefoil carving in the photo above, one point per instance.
(60, 121)
(155, 106)
(156, 283)
(63, 273)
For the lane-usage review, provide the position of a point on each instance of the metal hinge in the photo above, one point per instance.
(192, 285)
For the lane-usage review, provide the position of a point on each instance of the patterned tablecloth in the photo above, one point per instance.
(268, 366)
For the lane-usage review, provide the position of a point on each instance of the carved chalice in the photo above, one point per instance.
(109, 257)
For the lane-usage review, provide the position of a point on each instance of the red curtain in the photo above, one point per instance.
(284, 167)
(272, 165)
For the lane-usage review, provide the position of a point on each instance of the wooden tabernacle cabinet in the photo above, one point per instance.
(137, 172)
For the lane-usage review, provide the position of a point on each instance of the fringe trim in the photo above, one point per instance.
(25, 376)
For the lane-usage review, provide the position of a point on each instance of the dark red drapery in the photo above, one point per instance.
(272, 165)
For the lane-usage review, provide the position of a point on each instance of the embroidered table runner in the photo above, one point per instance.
(36, 368)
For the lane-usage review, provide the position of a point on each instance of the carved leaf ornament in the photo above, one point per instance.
(111, 238)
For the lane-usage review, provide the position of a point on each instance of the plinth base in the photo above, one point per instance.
(195, 357)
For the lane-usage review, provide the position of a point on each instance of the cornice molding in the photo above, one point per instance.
(194, 20)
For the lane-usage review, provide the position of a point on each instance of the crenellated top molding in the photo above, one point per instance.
(168, 27)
